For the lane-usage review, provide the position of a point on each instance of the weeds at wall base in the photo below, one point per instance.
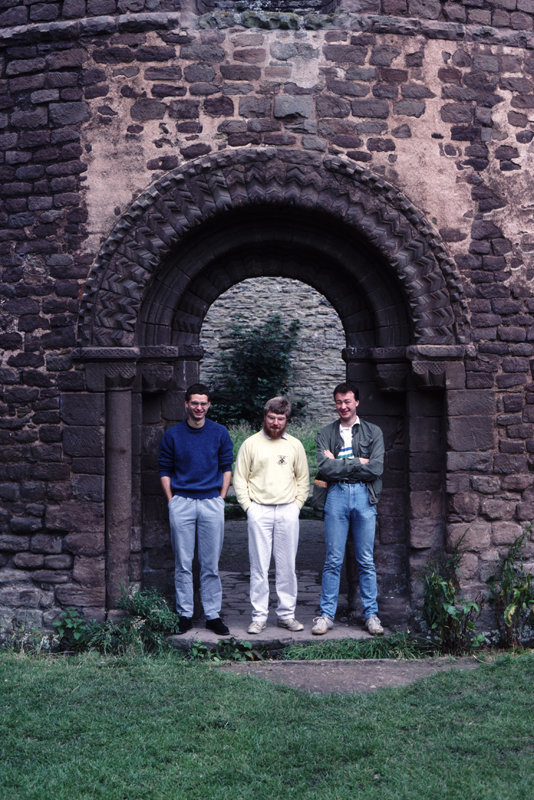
(512, 595)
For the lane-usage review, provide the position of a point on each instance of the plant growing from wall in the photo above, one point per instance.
(256, 366)
(512, 593)
(449, 617)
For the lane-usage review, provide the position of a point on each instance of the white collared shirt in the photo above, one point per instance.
(346, 434)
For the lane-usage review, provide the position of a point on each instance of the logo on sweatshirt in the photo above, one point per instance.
(282, 459)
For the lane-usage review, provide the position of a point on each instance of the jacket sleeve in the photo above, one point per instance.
(339, 469)
(241, 473)
(302, 475)
(374, 469)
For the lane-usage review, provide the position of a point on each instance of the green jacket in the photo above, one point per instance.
(367, 442)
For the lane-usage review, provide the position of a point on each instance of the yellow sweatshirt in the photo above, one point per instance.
(271, 471)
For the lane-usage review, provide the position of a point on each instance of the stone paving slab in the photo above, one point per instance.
(236, 609)
(238, 620)
(317, 676)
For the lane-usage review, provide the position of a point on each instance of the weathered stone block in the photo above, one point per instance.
(470, 433)
(83, 441)
(346, 54)
(475, 536)
(183, 109)
(73, 594)
(45, 543)
(254, 106)
(504, 464)
(20, 594)
(470, 403)
(63, 561)
(68, 113)
(75, 517)
(25, 524)
(295, 107)
(82, 409)
(505, 533)
(89, 571)
(146, 109)
(378, 109)
(427, 534)
(463, 506)
(426, 504)
(497, 509)
(50, 576)
(87, 544)
(409, 108)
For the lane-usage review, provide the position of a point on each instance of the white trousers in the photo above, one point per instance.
(273, 530)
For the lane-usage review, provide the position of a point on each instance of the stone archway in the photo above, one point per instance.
(175, 206)
(204, 227)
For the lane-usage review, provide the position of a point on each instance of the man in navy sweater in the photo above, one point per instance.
(195, 468)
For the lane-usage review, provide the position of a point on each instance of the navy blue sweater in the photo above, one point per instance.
(195, 458)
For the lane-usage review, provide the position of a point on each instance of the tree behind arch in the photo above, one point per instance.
(256, 365)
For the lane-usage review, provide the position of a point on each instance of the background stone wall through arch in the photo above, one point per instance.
(318, 365)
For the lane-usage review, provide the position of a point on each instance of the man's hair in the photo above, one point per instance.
(344, 388)
(197, 388)
(278, 405)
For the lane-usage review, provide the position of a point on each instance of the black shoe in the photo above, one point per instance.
(217, 626)
(184, 624)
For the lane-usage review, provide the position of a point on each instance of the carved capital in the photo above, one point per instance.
(429, 374)
(156, 378)
(105, 375)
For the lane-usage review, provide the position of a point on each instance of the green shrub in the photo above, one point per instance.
(450, 618)
(256, 366)
(225, 650)
(512, 594)
(147, 623)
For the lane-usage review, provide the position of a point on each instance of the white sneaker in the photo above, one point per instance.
(322, 625)
(256, 626)
(374, 626)
(291, 624)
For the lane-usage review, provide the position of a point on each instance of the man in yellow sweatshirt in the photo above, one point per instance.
(271, 482)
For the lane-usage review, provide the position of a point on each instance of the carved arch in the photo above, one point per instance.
(383, 243)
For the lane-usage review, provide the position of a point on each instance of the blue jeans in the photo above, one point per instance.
(347, 507)
(202, 520)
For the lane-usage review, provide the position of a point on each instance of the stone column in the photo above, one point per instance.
(113, 372)
(118, 515)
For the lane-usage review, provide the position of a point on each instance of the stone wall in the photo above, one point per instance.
(420, 115)
(517, 15)
(317, 362)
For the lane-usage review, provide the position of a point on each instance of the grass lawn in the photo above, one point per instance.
(143, 728)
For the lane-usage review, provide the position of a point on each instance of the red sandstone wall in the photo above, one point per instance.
(435, 97)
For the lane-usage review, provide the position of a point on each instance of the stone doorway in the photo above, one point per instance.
(334, 226)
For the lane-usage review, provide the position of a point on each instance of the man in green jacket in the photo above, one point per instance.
(350, 458)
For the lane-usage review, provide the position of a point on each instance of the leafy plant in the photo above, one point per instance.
(255, 367)
(225, 650)
(151, 606)
(512, 593)
(144, 628)
(73, 630)
(450, 618)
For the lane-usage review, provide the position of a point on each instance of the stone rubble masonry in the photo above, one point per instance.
(99, 99)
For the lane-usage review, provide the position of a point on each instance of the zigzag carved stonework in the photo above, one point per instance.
(361, 203)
